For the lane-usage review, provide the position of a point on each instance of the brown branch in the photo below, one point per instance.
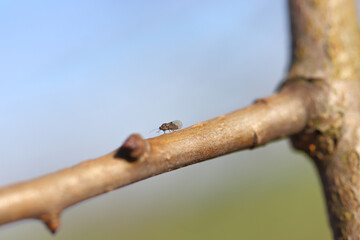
(278, 116)
(326, 47)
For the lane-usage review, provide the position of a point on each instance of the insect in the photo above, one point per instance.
(171, 126)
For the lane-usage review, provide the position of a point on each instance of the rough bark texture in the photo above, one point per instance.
(326, 52)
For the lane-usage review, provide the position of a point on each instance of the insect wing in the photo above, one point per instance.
(177, 123)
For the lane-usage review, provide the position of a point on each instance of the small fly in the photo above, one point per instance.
(171, 126)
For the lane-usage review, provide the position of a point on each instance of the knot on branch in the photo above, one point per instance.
(315, 143)
(324, 128)
(132, 149)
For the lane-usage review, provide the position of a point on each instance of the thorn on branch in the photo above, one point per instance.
(52, 221)
(132, 149)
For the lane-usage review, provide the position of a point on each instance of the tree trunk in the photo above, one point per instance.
(326, 54)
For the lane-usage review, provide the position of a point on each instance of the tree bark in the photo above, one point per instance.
(326, 52)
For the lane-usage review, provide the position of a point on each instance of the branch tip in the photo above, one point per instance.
(132, 149)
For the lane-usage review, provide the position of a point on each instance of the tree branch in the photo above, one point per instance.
(278, 116)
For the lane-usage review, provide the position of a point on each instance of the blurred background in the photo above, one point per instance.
(77, 77)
